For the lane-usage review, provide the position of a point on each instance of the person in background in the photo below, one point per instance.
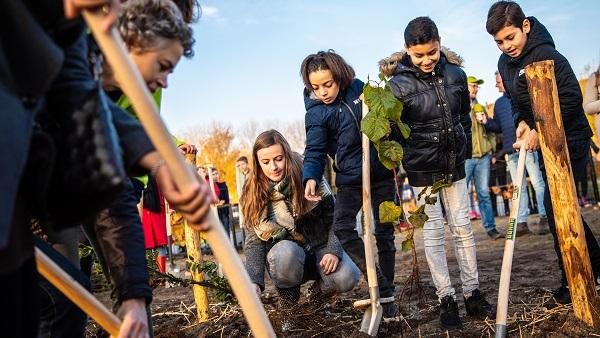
(503, 123)
(223, 204)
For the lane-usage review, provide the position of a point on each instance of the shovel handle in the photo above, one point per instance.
(509, 247)
(134, 87)
(368, 238)
(77, 293)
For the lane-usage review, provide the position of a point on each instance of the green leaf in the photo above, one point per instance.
(423, 192)
(381, 77)
(390, 153)
(374, 126)
(379, 99)
(407, 244)
(439, 185)
(395, 112)
(404, 129)
(389, 212)
(418, 219)
(430, 199)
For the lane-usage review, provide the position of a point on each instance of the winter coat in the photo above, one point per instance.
(436, 108)
(540, 47)
(318, 233)
(334, 130)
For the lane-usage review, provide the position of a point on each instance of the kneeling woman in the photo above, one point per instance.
(290, 236)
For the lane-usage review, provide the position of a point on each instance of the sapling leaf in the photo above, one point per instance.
(439, 185)
(404, 129)
(423, 192)
(379, 99)
(390, 153)
(374, 126)
(389, 212)
(418, 220)
(407, 244)
(430, 199)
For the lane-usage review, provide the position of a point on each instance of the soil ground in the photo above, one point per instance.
(534, 274)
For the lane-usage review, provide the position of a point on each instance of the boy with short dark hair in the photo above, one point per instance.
(524, 40)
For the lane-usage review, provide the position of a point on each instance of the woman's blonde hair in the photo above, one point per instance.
(256, 194)
(143, 22)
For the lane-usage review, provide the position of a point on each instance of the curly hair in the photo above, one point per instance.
(142, 22)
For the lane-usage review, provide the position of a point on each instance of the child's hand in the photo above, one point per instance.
(310, 192)
(527, 137)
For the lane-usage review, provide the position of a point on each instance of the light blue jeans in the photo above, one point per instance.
(532, 164)
(478, 170)
(286, 268)
(456, 204)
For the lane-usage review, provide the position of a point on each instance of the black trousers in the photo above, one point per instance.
(348, 203)
(20, 301)
(578, 152)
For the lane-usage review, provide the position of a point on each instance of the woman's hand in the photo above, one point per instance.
(194, 204)
(110, 7)
(310, 191)
(329, 263)
(135, 319)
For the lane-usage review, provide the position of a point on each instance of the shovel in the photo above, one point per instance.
(509, 247)
(373, 310)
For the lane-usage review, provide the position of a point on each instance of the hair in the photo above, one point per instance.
(242, 159)
(420, 30)
(143, 22)
(503, 14)
(191, 10)
(255, 196)
(342, 72)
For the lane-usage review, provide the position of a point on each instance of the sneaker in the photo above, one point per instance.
(390, 310)
(494, 234)
(449, 318)
(316, 298)
(478, 307)
(560, 295)
(472, 215)
(541, 227)
(585, 202)
(522, 229)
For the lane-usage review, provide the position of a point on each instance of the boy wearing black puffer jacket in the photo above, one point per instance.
(523, 41)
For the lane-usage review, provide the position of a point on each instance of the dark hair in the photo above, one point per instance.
(503, 14)
(420, 30)
(243, 159)
(341, 71)
(190, 10)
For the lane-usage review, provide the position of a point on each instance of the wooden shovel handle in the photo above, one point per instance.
(368, 238)
(135, 88)
(77, 293)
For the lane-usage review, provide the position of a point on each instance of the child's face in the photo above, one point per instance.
(473, 90)
(156, 63)
(511, 40)
(425, 56)
(323, 85)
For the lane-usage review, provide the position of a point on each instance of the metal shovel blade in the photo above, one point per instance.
(371, 320)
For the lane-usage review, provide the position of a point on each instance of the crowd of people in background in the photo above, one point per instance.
(297, 228)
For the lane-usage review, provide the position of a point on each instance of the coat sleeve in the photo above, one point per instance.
(591, 100)
(316, 146)
(492, 125)
(256, 254)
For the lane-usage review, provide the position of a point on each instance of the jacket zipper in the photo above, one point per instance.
(444, 124)
(353, 116)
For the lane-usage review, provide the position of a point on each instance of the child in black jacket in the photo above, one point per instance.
(524, 40)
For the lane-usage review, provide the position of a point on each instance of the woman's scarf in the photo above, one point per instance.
(278, 218)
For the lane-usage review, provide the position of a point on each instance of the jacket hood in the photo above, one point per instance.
(538, 36)
(355, 89)
(400, 61)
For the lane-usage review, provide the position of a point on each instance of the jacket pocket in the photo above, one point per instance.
(422, 152)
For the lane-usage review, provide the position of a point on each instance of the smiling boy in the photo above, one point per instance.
(524, 40)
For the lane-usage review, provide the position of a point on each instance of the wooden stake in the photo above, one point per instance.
(134, 87)
(193, 244)
(76, 293)
(546, 111)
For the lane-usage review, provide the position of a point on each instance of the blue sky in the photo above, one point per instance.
(248, 53)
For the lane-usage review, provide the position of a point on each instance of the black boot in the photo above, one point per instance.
(478, 307)
(449, 317)
(288, 301)
(560, 295)
(316, 297)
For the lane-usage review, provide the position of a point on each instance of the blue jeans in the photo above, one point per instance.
(478, 170)
(289, 266)
(456, 204)
(537, 181)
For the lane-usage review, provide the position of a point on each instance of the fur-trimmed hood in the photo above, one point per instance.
(388, 66)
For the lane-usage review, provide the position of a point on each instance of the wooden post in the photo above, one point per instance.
(193, 244)
(546, 110)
